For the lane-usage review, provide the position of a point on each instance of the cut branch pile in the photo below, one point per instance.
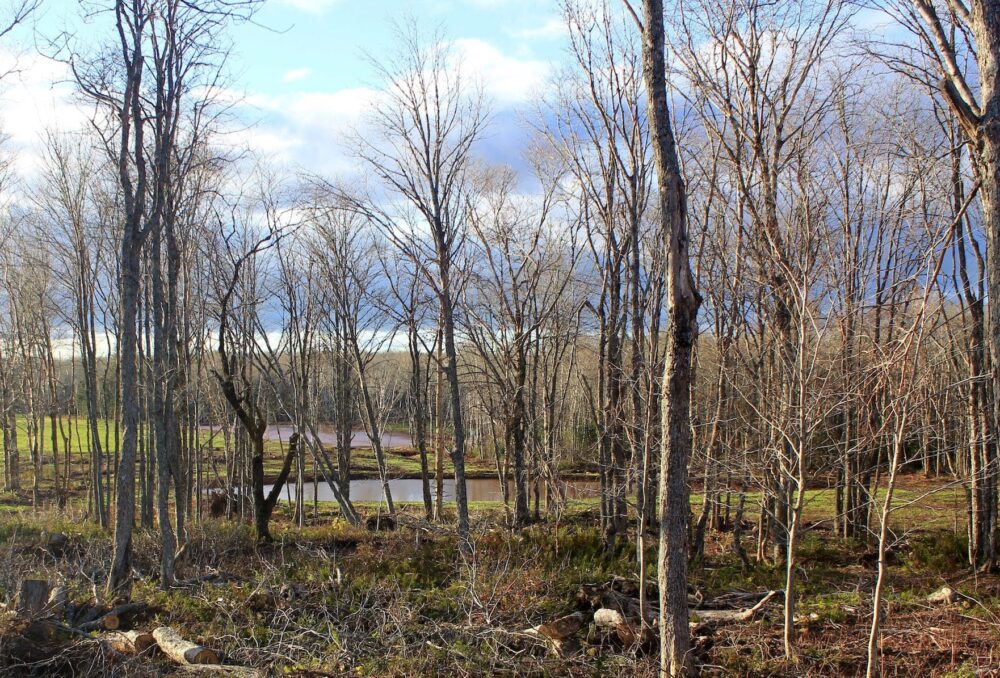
(616, 613)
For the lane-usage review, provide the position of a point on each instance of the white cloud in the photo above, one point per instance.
(312, 129)
(310, 6)
(35, 96)
(553, 28)
(296, 74)
(506, 79)
(335, 112)
(305, 128)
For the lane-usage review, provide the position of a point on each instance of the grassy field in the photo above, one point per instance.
(333, 600)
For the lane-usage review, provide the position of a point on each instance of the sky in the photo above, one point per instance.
(303, 75)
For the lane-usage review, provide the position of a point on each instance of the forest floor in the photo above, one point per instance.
(333, 600)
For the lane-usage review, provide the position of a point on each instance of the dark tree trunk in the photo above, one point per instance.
(458, 449)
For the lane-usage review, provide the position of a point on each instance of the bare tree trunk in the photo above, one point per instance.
(439, 415)
(682, 311)
(872, 668)
(418, 385)
(263, 505)
(121, 564)
(979, 118)
(374, 434)
(458, 425)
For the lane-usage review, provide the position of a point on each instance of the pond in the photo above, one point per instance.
(328, 436)
(409, 490)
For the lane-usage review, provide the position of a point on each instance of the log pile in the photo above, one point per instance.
(44, 615)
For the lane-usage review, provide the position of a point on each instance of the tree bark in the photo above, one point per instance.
(682, 311)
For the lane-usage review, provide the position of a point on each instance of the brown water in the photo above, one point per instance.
(328, 436)
(409, 490)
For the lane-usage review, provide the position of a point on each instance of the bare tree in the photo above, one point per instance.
(356, 303)
(239, 375)
(162, 51)
(683, 301)
(528, 264)
(423, 134)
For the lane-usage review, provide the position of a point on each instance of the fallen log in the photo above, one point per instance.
(605, 596)
(129, 642)
(733, 599)
(943, 596)
(210, 578)
(87, 614)
(55, 544)
(183, 651)
(561, 628)
(614, 620)
(718, 616)
(619, 612)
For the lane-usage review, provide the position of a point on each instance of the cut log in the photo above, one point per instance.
(608, 618)
(87, 614)
(55, 545)
(46, 631)
(112, 619)
(558, 634)
(183, 651)
(614, 620)
(604, 596)
(562, 628)
(32, 598)
(129, 642)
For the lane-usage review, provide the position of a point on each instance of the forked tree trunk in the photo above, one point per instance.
(263, 505)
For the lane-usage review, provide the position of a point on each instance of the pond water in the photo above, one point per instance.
(328, 436)
(409, 490)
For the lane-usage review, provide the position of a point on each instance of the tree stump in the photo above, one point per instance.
(32, 598)
(55, 545)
